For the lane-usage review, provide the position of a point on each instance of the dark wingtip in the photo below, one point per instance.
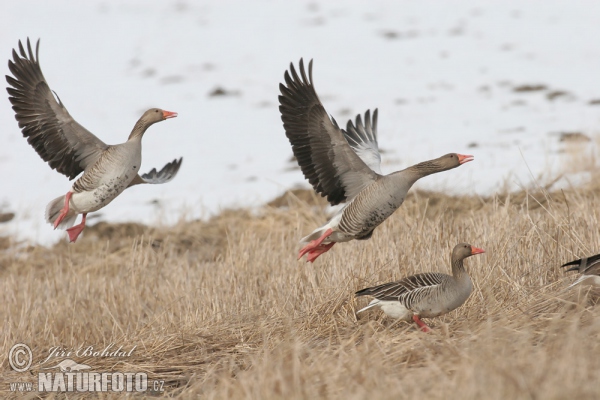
(574, 262)
(178, 163)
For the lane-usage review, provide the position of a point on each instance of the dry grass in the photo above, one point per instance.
(222, 309)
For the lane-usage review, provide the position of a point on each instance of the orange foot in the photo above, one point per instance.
(74, 231)
(317, 251)
(315, 248)
(64, 211)
(421, 324)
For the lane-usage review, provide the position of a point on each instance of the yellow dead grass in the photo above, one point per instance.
(222, 309)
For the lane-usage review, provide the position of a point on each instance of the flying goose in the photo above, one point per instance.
(71, 149)
(344, 165)
(425, 295)
(589, 270)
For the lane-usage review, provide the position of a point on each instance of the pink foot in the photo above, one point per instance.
(317, 251)
(64, 211)
(315, 244)
(421, 324)
(76, 230)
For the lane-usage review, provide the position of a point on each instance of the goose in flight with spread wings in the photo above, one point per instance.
(71, 149)
(425, 295)
(344, 165)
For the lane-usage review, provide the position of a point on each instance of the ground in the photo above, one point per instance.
(222, 309)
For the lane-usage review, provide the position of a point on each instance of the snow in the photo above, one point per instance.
(442, 74)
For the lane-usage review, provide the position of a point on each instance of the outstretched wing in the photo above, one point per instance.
(67, 146)
(166, 174)
(327, 161)
(363, 140)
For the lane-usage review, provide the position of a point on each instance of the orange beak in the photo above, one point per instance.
(170, 114)
(475, 250)
(464, 158)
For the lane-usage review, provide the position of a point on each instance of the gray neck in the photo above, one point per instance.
(420, 170)
(139, 129)
(458, 268)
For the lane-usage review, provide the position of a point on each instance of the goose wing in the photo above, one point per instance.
(363, 140)
(166, 174)
(587, 265)
(404, 288)
(327, 161)
(59, 140)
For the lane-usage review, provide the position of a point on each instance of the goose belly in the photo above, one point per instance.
(443, 303)
(433, 310)
(395, 309)
(105, 191)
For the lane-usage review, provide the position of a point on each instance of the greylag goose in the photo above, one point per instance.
(71, 149)
(425, 295)
(589, 270)
(344, 165)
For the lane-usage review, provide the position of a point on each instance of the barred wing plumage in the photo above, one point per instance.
(407, 289)
(587, 265)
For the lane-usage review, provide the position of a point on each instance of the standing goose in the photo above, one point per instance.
(71, 149)
(425, 295)
(344, 165)
(589, 270)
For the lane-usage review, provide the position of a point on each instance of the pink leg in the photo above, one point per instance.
(314, 244)
(76, 230)
(64, 211)
(317, 251)
(421, 324)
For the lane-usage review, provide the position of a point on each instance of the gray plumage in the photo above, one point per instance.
(327, 161)
(344, 165)
(588, 269)
(71, 149)
(49, 128)
(363, 140)
(427, 294)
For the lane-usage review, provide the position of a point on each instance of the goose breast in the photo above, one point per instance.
(107, 178)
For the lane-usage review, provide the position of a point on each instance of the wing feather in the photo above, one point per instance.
(325, 158)
(400, 289)
(166, 174)
(588, 265)
(363, 140)
(49, 128)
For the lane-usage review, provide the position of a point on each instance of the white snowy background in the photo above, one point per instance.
(444, 75)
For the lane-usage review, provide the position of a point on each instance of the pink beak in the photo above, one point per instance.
(464, 158)
(476, 250)
(171, 114)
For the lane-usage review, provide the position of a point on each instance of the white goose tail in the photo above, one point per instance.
(53, 210)
(373, 303)
(317, 233)
(589, 280)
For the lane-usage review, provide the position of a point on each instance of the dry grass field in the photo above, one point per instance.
(221, 309)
